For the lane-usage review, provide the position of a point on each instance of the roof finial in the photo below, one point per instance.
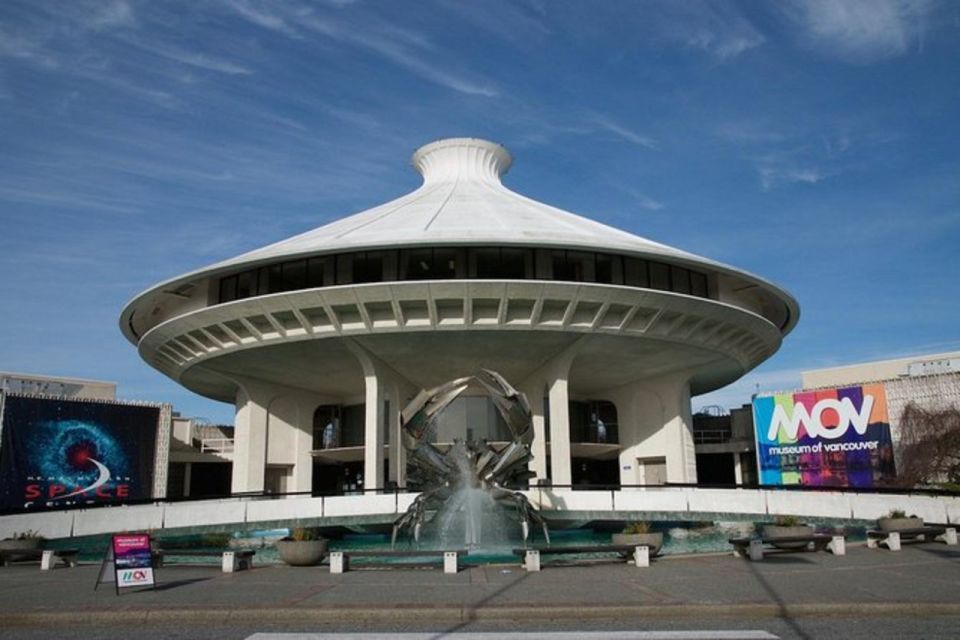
(453, 159)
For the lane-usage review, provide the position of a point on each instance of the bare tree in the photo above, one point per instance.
(929, 446)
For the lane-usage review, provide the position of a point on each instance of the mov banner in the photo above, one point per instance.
(832, 437)
(55, 452)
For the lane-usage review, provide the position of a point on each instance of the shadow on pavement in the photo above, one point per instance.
(471, 615)
(166, 586)
(783, 614)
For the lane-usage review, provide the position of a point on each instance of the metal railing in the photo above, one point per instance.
(216, 445)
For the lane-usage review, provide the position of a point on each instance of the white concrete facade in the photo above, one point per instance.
(671, 502)
(569, 323)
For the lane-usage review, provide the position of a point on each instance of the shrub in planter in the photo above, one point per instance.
(638, 534)
(787, 527)
(897, 520)
(26, 540)
(303, 547)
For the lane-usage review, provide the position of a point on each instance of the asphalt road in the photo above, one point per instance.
(868, 594)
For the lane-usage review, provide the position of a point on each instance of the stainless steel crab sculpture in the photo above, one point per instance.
(477, 465)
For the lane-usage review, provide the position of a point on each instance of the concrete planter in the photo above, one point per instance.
(652, 540)
(22, 544)
(301, 553)
(774, 531)
(11, 546)
(899, 524)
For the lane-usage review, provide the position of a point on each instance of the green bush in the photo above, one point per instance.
(787, 521)
(638, 526)
(897, 513)
(303, 534)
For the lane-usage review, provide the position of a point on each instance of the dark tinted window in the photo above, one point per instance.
(508, 263)
(698, 284)
(681, 279)
(659, 276)
(368, 267)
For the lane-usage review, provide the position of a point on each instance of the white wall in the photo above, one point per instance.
(679, 500)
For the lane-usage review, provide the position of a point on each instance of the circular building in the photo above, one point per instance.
(321, 339)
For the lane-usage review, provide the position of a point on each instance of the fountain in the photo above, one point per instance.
(467, 485)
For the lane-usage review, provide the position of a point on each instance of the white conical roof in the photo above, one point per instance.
(461, 201)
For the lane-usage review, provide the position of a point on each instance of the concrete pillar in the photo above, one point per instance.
(373, 439)
(737, 469)
(538, 447)
(559, 432)
(398, 455)
(187, 478)
(301, 476)
(249, 444)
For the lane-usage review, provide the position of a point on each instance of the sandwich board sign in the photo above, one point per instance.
(128, 563)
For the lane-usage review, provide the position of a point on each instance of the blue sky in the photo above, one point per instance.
(814, 143)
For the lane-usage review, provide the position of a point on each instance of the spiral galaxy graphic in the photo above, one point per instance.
(72, 449)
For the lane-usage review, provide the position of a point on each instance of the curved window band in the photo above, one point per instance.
(461, 263)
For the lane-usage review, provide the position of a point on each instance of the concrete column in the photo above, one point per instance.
(373, 434)
(187, 475)
(249, 445)
(559, 432)
(737, 469)
(301, 477)
(398, 455)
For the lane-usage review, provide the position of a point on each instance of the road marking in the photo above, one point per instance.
(709, 634)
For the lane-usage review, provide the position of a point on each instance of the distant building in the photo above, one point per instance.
(61, 387)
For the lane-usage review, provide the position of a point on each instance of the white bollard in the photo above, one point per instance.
(47, 560)
(950, 536)
(339, 563)
(756, 549)
(893, 541)
(641, 556)
(449, 561)
(531, 560)
(229, 562)
(838, 546)
(872, 542)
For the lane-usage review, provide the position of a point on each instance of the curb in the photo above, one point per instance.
(127, 617)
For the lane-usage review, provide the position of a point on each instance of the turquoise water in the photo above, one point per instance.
(678, 538)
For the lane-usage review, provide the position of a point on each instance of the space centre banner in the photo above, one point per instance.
(830, 437)
(57, 452)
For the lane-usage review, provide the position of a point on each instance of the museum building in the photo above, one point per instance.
(319, 340)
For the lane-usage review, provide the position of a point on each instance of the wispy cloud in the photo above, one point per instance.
(749, 132)
(263, 18)
(643, 200)
(772, 175)
(718, 29)
(193, 59)
(106, 15)
(860, 32)
(402, 47)
(623, 132)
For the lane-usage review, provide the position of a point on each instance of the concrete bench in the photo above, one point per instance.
(892, 539)
(48, 557)
(340, 560)
(230, 559)
(753, 548)
(531, 556)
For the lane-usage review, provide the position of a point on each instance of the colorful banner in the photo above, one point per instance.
(57, 452)
(132, 560)
(832, 437)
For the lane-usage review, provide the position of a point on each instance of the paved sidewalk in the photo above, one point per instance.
(921, 579)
